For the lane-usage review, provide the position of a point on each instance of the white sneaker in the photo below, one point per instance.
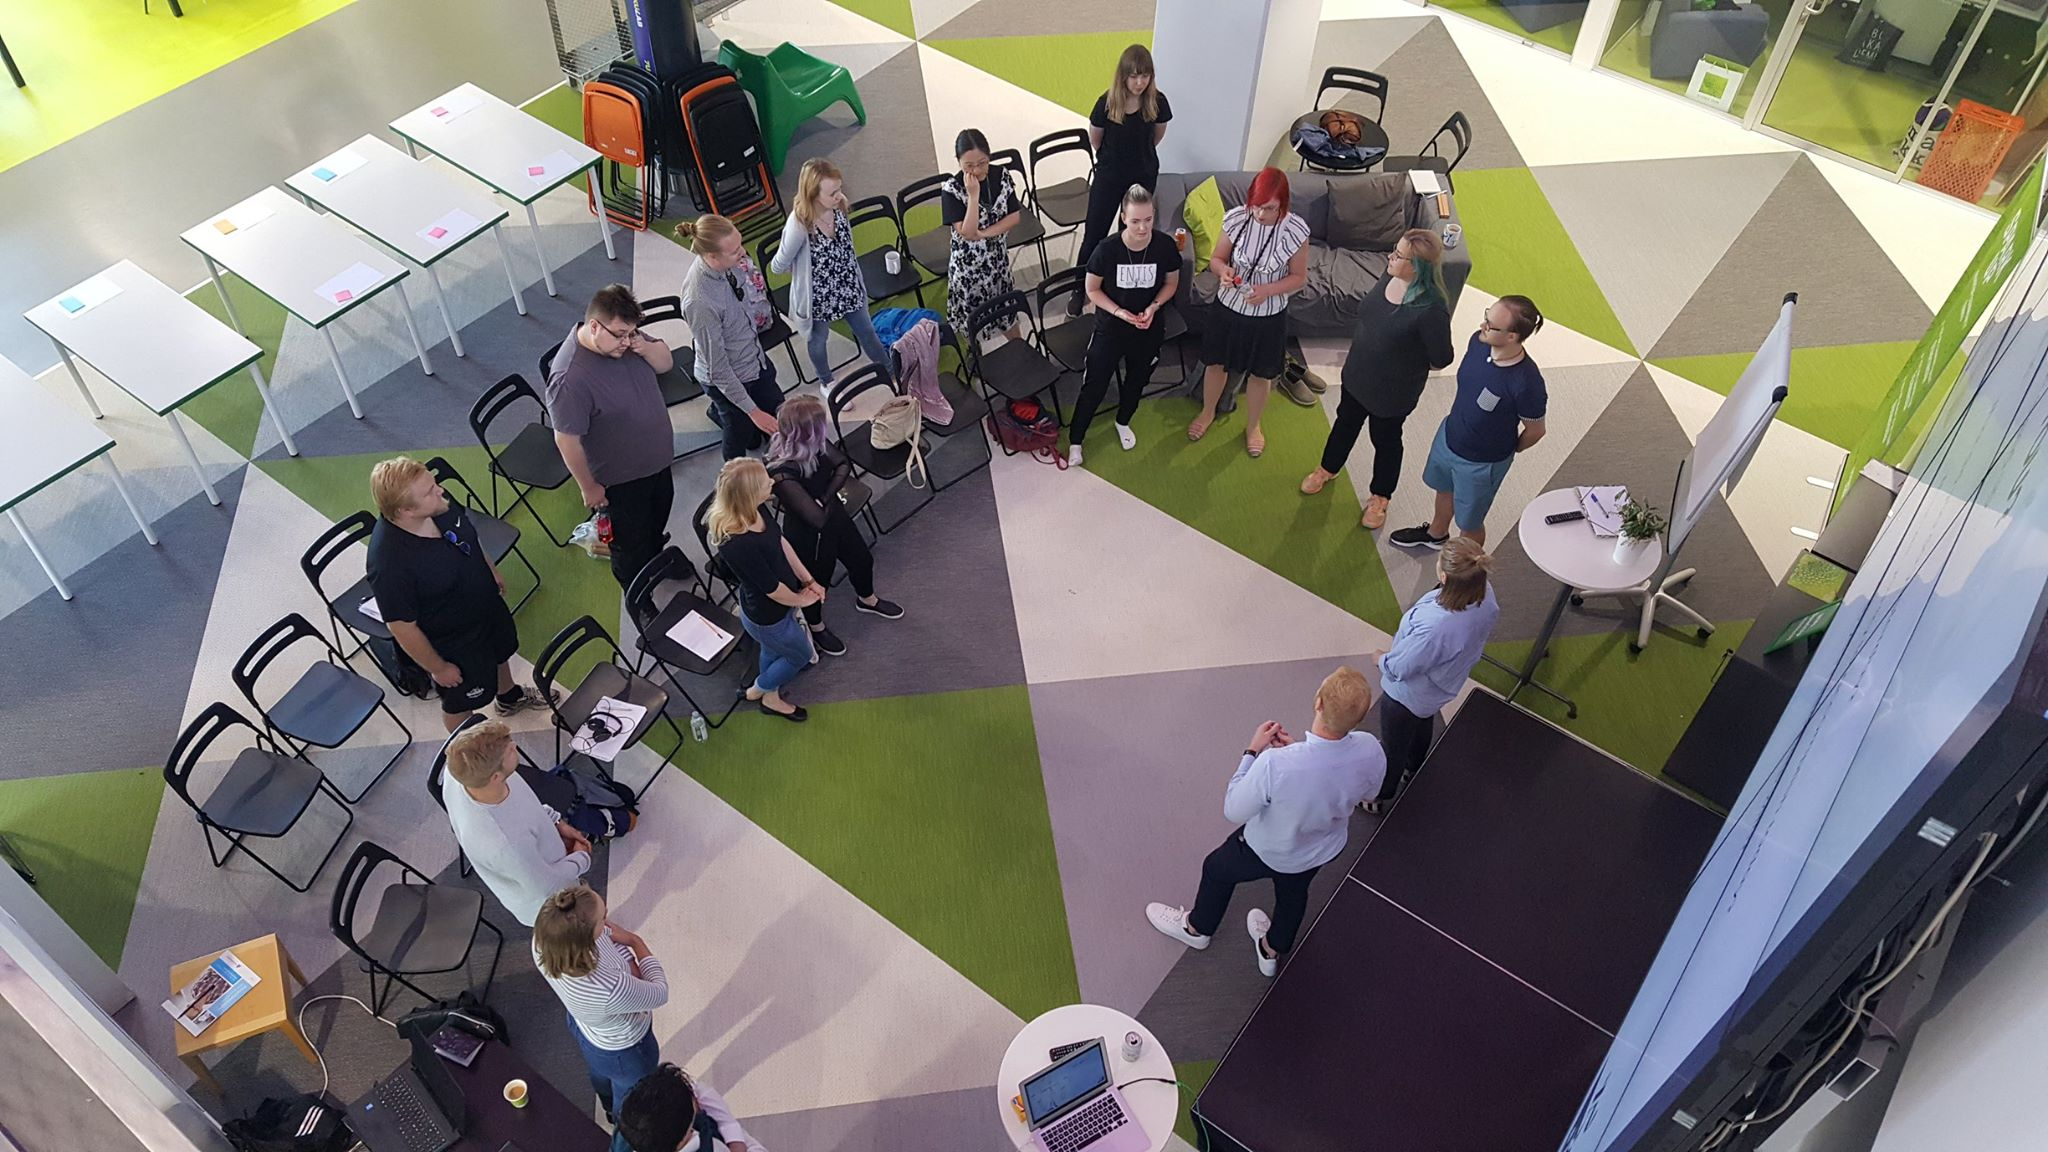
(1173, 922)
(1126, 437)
(1074, 456)
(1258, 924)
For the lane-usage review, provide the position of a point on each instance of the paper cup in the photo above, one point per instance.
(515, 1093)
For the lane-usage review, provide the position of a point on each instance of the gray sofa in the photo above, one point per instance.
(1366, 213)
(1680, 36)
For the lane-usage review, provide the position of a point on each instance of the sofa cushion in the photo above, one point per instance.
(1338, 278)
(1202, 214)
(1367, 213)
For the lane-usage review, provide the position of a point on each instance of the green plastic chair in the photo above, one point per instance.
(789, 86)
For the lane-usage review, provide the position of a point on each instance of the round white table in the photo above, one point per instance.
(1581, 563)
(1154, 1104)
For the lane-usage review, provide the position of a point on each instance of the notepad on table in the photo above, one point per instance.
(1602, 506)
(551, 167)
(704, 639)
(243, 218)
(338, 165)
(448, 227)
(455, 105)
(353, 281)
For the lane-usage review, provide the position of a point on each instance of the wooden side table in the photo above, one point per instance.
(265, 1008)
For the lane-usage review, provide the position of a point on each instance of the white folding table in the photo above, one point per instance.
(41, 442)
(153, 344)
(409, 208)
(303, 261)
(512, 152)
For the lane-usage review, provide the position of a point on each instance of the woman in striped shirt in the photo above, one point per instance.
(1260, 259)
(611, 985)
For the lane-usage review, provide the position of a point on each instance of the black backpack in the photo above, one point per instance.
(405, 675)
(293, 1124)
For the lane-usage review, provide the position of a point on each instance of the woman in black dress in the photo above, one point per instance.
(1126, 126)
(809, 471)
(1403, 334)
(981, 207)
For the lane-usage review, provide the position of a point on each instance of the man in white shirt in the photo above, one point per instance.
(666, 1112)
(523, 849)
(1293, 799)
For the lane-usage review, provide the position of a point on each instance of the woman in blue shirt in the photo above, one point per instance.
(1441, 638)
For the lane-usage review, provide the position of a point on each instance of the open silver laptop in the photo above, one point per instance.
(1072, 1105)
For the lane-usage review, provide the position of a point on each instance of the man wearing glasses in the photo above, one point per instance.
(442, 598)
(612, 427)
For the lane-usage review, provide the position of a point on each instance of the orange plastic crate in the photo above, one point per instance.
(1968, 152)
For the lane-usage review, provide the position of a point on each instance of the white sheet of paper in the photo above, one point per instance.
(625, 717)
(353, 281)
(1424, 182)
(1602, 506)
(93, 292)
(338, 165)
(457, 104)
(369, 608)
(703, 638)
(553, 167)
(447, 228)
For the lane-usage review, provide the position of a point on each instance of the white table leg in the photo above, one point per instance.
(411, 149)
(55, 580)
(505, 256)
(64, 354)
(405, 307)
(546, 277)
(121, 486)
(441, 301)
(334, 357)
(185, 442)
(270, 406)
(214, 271)
(604, 219)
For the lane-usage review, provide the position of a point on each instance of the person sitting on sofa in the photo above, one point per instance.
(1261, 258)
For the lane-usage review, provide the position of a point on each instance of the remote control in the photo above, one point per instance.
(1564, 517)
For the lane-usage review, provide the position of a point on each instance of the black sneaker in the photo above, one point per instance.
(1419, 537)
(887, 610)
(827, 643)
(528, 700)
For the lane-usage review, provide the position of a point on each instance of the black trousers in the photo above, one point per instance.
(737, 431)
(1406, 738)
(1386, 443)
(639, 521)
(823, 549)
(1105, 195)
(1234, 863)
(1115, 344)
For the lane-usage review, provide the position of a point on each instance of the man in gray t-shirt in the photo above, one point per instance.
(612, 427)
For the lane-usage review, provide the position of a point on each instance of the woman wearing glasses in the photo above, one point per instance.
(725, 302)
(979, 205)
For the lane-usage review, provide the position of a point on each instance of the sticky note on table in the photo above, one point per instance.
(449, 226)
(455, 105)
(338, 165)
(243, 217)
(353, 281)
(92, 293)
(551, 168)
(224, 226)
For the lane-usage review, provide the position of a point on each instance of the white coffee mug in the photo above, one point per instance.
(893, 261)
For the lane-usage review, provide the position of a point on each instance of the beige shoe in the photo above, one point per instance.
(1375, 517)
(1314, 481)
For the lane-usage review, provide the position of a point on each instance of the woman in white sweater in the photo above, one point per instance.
(825, 283)
(611, 983)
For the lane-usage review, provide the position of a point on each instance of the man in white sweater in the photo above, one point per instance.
(523, 849)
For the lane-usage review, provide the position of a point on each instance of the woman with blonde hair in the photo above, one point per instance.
(725, 302)
(825, 283)
(611, 983)
(1440, 640)
(771, 582)
(1126, 126)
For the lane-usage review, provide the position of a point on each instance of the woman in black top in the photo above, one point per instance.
(809, 471)
(1130, 278)
(771, 581)
(1403, 334)
(1126, 125)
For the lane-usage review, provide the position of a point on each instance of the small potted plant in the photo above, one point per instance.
(1641, 525)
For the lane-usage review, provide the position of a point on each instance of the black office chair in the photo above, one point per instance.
(882, 283)
(529, 460)
(932, 248)
(1067, 341)
(1017, 369)
(858, 443)
(1030, 229)
(263, 792)
(325, 706)
(420, 928)
(1456, 133)
(969, 407)
(1064, 203)
(346, 609)
(664, 592)
(1354, 80)
(614, 678)
(499, 538)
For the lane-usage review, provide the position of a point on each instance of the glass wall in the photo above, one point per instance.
(1662, 42)
(1550, 24)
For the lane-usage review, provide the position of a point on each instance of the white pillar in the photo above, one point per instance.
(1237, 68)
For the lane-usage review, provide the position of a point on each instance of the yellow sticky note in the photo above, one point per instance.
(223, 226)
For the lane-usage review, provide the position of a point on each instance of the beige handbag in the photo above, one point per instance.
(898, 422)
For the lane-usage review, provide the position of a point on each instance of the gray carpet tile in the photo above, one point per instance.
(957, 1120)
(1046, 18)
(893, 148)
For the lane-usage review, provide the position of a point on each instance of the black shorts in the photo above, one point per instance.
(1241, 343)
(479, 657)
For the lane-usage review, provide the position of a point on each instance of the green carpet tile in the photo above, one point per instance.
(891, 14)
(1255, 507)
(1194, 1076)
(928, 808)
(86, 838)
(1519, 246)
(1835, 391)
(232, 409)
(1633, 704)
(1559, 37)
(1071, 70)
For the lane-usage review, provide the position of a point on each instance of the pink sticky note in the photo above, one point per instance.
(343, 296)
(437, 233)
(440, 112)
(537, 170)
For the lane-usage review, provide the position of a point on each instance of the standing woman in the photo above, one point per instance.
(980, 207)
(611, 984)
(772, 581)
(1261, 258)
(825, 283)
(1126, 126)
(1130, 278)
(1440, 640)
(725, 302)
(1403, 334)
(808, 471)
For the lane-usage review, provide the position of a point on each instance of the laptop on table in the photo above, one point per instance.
(1073, 1105)
(418, 1108)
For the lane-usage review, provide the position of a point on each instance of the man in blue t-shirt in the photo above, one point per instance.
(1498, 413)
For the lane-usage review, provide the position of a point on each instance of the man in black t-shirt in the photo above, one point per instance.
(440, 595)
(1131, 276)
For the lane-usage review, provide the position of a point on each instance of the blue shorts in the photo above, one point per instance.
(1472, 486)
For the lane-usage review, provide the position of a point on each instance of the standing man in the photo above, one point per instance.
(442, 598)
(612, 427)
(1497, 414)
(524, 850)
(1294, 801)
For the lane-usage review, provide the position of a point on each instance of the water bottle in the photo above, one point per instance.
(604, 525)
(698, 728)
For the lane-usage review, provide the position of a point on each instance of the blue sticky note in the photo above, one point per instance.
(71, 304)
(323, 173)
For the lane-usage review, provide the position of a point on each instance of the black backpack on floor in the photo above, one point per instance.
(293, 1124)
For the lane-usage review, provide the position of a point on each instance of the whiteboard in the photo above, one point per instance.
(1725, 444)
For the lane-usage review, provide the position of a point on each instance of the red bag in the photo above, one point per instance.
(1024, 427)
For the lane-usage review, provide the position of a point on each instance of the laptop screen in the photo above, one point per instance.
(1081, 1075)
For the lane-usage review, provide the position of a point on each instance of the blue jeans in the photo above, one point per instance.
(785, 649)
(863, 326)
(614, 1072)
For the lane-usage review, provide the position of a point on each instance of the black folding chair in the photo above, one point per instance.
(614, 678)
(882, 283)
(326, 705)
(346, 609)
(263, 793)
(1065, 203)
(1354, 80)
(858, 442)
(1456, 133)
(420, 928)
(499, 538)
(529, 460)
(932, 248)
(1018, 369)
(1067, 341)
(1030, 229)
(660, 597)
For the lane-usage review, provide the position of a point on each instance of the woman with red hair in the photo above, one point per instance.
(1260, 259)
